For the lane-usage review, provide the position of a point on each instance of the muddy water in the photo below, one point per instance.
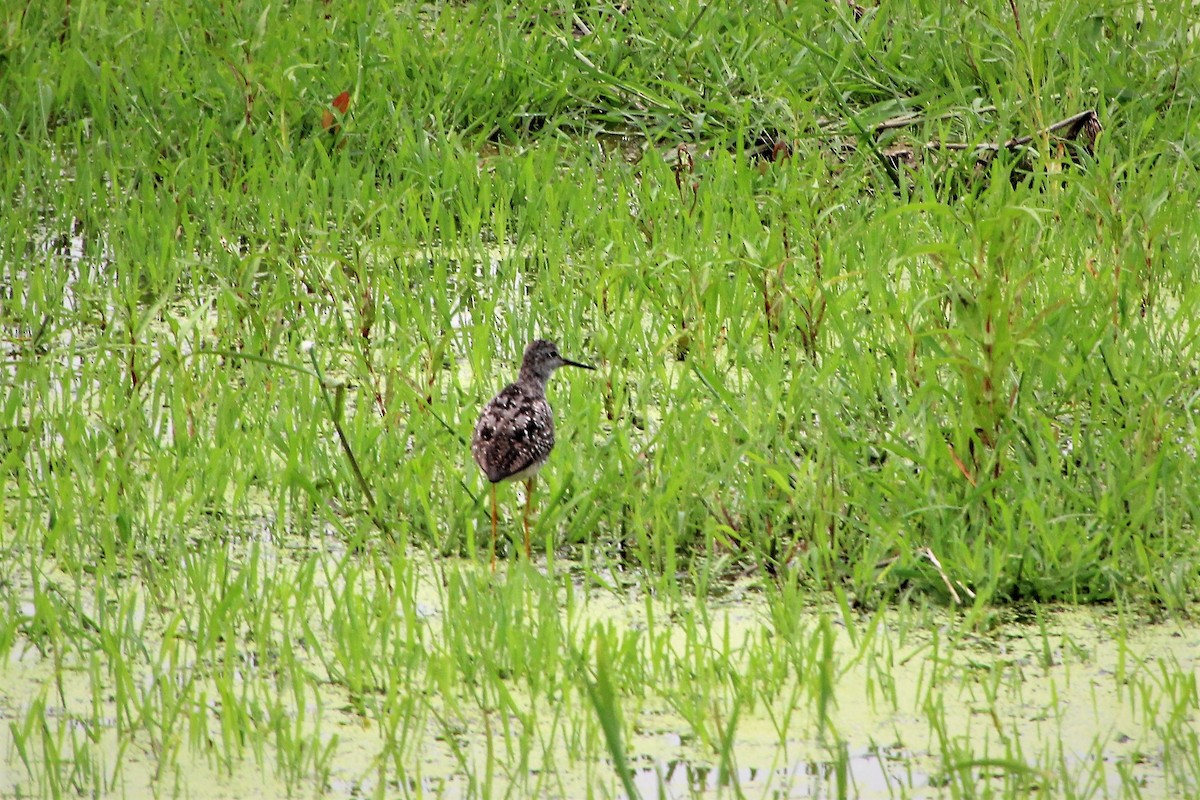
(917, 710)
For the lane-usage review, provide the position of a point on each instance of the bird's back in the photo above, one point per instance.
(515, 433)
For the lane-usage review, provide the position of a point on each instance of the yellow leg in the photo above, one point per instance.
(493, 527)
(528, 502)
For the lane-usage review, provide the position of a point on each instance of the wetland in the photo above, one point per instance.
(885, 484)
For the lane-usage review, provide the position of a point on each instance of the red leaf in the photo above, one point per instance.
(342, 102)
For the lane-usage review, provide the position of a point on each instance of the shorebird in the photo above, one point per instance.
(515, 432)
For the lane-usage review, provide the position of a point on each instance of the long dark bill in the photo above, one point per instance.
(571, 363)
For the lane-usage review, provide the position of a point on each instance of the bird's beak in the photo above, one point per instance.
(571, 363)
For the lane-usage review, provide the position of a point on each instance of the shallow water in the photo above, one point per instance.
(916, 710)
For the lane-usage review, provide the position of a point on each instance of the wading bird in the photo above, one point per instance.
(515, 432)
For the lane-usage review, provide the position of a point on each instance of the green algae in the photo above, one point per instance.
(474, 692)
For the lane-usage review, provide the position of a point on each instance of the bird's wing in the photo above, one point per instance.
(515, 431)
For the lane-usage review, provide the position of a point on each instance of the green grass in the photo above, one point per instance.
(837, 381)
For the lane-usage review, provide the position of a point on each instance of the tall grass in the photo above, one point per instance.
(872, 375)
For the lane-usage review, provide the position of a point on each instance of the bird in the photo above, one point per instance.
(515, 432)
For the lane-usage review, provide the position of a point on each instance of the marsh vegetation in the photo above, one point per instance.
(886, 483)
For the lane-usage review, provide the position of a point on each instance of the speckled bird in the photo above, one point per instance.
(515, 433)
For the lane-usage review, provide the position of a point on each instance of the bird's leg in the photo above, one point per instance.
(493, 527)
(528, 503)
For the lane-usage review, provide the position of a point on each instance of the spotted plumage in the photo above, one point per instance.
(515, 432)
